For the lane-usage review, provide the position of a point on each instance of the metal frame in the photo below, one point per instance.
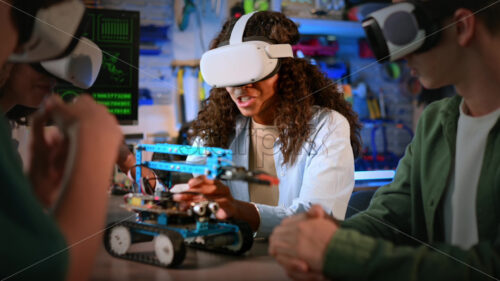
(215, 158)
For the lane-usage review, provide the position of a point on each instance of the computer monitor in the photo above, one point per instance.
(116, 32)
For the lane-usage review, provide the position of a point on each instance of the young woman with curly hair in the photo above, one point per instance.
(294, 125)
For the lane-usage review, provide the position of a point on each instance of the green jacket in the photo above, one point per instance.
(401, 235)
(33, 247)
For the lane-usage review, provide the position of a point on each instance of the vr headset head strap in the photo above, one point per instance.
(239, 29)
(431, 24)
(47, 31)
(23, 13)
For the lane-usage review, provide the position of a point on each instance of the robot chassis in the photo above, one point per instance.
(160, 219)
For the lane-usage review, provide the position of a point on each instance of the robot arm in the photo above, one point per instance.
(218, 163)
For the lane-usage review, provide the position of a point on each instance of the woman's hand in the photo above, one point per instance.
(126, 159)
(201, 188)
(213, 190)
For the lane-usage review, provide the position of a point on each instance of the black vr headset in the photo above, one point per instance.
(404, 28)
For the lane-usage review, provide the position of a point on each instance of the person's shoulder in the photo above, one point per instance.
(323, 115)
(442, 108)
(436, 116)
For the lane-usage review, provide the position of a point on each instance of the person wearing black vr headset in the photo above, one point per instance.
(438, 219)
(276, 114)
(53, 241)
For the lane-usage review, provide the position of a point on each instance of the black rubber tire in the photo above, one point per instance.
(247, 236)
(175, 238)
(179, 248)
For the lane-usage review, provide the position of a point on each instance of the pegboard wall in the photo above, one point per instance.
(387, 80)
(387, 84)
(159, 78)
(163, 41)
(385, 134)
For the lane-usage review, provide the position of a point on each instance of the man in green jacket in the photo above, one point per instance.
(62, 244)
(440, 218)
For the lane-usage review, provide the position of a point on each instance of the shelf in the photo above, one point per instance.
(329, 27)
(374, 175)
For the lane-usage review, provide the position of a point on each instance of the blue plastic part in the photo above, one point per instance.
(150, 52)
(189, 7)
(334, 71)
(141, 231)
(201, 226)
(348, 29)
(162, 219)
(215, 159)
(210, 172)
(208, 229)
(154, 33)
(187, 150)
(235, 229)
(138, 159)
(146, 102)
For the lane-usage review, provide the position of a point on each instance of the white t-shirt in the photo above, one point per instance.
(263, 138)
(460, 202)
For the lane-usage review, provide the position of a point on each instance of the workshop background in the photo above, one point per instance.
(174, 34)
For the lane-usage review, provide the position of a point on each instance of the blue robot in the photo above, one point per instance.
(161, 220)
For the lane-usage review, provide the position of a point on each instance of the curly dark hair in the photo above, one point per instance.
(300, 86)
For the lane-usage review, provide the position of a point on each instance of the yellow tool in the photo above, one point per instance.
(201, 89)
(181, 116)
(373, 107)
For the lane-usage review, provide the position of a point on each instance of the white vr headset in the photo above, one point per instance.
(54, 31)
(244, 60)
(80, 67)
(399, 30)
(54, 41)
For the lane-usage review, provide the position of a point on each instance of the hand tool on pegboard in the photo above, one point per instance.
(181, 103)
